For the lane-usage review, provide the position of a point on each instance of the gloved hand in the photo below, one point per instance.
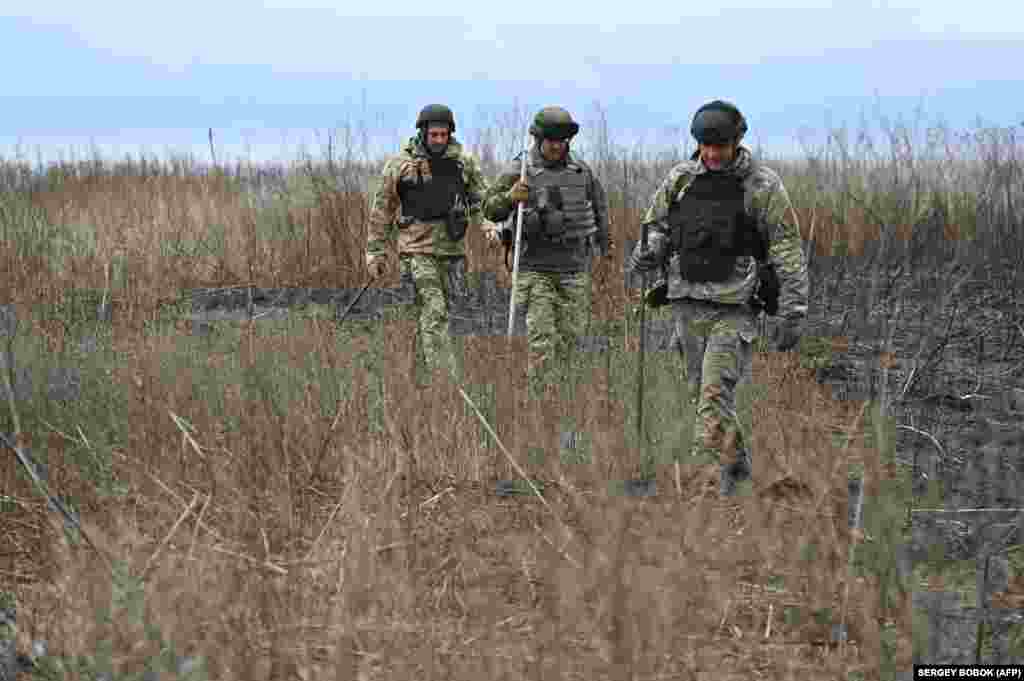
(376, 266)
(492, 233)
(786, 334)
(657, 294)
(520, 191)
(642, 260)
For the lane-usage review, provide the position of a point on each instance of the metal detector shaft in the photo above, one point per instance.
(354, 301)
(643, 345)
(54, 503)
(519, 239)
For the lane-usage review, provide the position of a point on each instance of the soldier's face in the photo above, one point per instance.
(437, 137)
(717, 156)
(553, 150)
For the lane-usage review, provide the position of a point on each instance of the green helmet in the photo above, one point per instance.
(554, 122)
(718, 122)
(436, 113)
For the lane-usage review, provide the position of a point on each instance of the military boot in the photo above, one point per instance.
(732, 475)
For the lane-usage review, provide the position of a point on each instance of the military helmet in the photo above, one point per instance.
(436, 113)
(718, 122)
(554, 122)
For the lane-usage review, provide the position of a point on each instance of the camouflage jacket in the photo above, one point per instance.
(767, 202)
(430, 238)
(498, 207)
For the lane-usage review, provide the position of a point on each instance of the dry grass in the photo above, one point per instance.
(388, 556)
(314, 516)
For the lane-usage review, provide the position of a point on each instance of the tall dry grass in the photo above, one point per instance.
(320, 537)
(282, 505)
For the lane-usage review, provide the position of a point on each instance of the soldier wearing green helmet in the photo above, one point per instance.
(431, 191)
(565, 224)
(725, 238)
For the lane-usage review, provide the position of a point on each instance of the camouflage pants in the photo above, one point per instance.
(556, 307)
(717, 341)
(435, 280)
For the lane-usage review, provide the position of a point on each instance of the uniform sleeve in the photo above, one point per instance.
(380, 230)
(599, 199)
(786, 251)
(497, 204)
(656, 219)
(476, 188)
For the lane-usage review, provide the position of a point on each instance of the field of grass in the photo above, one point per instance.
(278, 503)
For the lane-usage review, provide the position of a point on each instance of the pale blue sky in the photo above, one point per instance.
(127, 76)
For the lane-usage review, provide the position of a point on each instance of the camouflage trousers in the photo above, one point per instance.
(716, 340)
(557, 306)
(436, 280)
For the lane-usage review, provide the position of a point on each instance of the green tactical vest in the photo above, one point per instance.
(559, 210)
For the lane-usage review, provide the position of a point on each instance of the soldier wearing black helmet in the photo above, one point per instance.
(565, 224)
(725, 238)
(431, 191)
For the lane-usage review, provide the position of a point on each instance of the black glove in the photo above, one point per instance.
(768, 288)
(641, 260)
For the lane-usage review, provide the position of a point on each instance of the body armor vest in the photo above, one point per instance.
(431, 197)
(559, 207)
(710, 230)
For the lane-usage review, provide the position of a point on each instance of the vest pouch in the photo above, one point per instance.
(549, 208)
(554, 225)
(533, 226)
(706, 266)
(456, 223)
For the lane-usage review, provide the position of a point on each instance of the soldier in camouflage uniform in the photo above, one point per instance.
(709, 223)
(565, 224)
(432, 190)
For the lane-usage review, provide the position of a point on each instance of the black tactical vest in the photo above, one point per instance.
(710, 230)
(569, 215)
(431, 197)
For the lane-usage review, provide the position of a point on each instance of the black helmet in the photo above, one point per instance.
(554, 122)
(718, 122)
(436, 113)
